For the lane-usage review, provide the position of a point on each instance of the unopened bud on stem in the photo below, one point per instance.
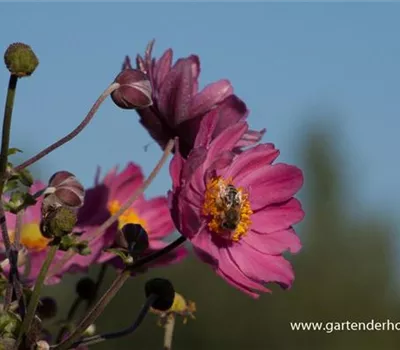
(134, 91)
(164, 290)
(59, 222)
(20, 60)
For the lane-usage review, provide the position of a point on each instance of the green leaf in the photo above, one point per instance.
(11, 185)
(13, 150)
(25, 177)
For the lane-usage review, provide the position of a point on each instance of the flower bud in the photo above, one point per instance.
(20, 60)
(86, 288)
(135, 239)
(58, 222)
(135, 90)
(63, 190)
(164, 291)
(47, 308)
(42, 345)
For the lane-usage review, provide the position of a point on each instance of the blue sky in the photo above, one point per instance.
(294, 65)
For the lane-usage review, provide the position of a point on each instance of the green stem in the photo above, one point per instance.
(5, 142)
(36, 293)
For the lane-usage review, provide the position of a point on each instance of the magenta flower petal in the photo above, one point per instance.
(277, 217)
(237, 209)
(121, 186)
(240, 286)
(272, 184)
(263, 154)
(262, 267)
(210, 96)
(178, 108)
(175, 92)
(176, 167)
(162, 68)
(274, 243)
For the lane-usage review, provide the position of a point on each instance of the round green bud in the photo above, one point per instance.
(20, 60)
(59, 222)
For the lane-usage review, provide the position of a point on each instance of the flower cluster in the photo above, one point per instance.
(229, 199)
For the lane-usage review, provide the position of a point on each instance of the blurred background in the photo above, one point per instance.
(322, 78)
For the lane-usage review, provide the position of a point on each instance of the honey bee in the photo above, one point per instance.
(232, 203)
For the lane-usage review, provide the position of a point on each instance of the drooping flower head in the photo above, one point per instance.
(107, 197)
(237, 209)
(178, 105)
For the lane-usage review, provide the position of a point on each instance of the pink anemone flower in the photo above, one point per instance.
(178, 105)
(107, 197)
(237, 210)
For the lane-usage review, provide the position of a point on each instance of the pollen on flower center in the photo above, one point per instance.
(128, 217)
(31, 237)
(228, 208)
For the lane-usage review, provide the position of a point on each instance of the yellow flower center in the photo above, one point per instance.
(128, 217)
(228, 208)
(31, 237)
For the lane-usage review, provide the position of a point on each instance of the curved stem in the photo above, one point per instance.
(113, 335)
(124, 207)
(112, 291)
(95, 311)
(36, 293)
(159, 253)
(74, 132)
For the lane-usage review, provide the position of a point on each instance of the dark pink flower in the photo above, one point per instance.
(237, 209)
(178, 105)
(105, 198)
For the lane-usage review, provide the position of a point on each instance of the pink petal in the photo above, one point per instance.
(239, 286)
(155, 125)
(175, 167)
(127, 63)
(126, 183)
(175, 91)
(183, 95)
(156, 214)
(271, 184)
(230, 111)
(251, 137)
(190, 218)
(274, 243)
(261, 267)
(94, 210)
(229, 268)
(209, 97)
(251, 160)
(277, 217)
(162, 67)
(195, 73)
(205, 248)
(226, 141)
(206, 129)
(193, 168)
